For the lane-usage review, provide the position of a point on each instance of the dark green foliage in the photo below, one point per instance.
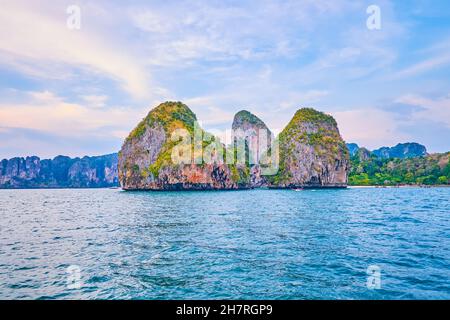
(171, 115)
(240, 172)
(312, 115)
(429, 170)
(246, 116)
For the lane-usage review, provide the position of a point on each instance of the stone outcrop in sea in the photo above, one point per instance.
(146, 160)
(311, 153)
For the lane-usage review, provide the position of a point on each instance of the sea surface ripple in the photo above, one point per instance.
(257, 244)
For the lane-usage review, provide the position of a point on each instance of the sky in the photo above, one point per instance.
(80, 91)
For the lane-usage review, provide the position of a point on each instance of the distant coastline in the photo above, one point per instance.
(101, 172)
(242, 189)
(399, 186)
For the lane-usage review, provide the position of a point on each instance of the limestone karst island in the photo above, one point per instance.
(308, 153)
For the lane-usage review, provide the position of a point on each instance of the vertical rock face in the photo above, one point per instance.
(254, 131)
(363, 154)
(312, 153)
(146, 160)
(61, 172)
(250, 132)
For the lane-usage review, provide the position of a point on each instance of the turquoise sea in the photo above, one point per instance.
(256, 244)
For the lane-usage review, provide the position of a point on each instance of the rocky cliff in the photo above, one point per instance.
(146, 160)
(312, 153)
(253, 136)
(401, 151)
(363, 154)
(61, 172)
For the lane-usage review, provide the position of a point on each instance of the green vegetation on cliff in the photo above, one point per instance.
(319, 129)
(240, 172)
(310, 148)
(171, 115)
(428, 170)
(246, 116)
(311, 128)
(310, 115)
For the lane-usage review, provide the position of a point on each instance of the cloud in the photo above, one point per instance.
(419, 119)
(270, 57)
(261, 92)
(46, 112)
(369, 127)
(436, 110)
(424, 66)
(208, 110)
(19, 142)
(95, 101)
(306, 98)
(428, 58)
(149, 21)
(187, 31)
(38, 43)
